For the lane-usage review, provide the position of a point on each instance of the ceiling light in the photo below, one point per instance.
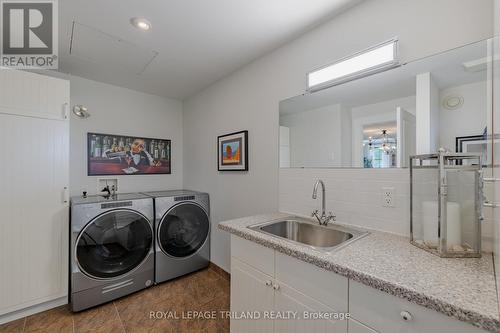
(140, 23)
(373, 60)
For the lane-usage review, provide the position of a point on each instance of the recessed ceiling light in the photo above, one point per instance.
(140, 23)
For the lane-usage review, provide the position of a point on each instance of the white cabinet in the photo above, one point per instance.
(385, 313)
(265, 280)
(324, 286)
(34, 177)
(356, 327)
(289, 300)
(28, 94)
(273, 285)
(251, 292)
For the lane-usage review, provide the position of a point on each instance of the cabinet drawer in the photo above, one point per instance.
(329, 288)
(383, 312)
(253, 254)
(356, 327)
(289, 300)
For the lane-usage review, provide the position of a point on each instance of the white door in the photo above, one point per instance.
(34, 176)
(406, 137)
(251, 293)
(292, 303)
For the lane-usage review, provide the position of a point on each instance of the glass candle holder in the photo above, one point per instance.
(446, 203)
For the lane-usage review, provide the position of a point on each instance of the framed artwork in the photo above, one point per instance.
(111, 154)
(232, 152)
(477, 144)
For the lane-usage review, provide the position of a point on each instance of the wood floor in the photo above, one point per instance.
(206, 290)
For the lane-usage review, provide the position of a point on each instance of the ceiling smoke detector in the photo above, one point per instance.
(453, 102)
(140, 23)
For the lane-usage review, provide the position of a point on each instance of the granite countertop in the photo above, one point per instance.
(461, 288)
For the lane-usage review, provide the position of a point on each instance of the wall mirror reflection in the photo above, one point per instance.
(380, 120)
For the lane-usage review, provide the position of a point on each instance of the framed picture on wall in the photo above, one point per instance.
(111, 154)
(232, 151)
(479, 144)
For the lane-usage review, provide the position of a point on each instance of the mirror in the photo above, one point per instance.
(380, 120)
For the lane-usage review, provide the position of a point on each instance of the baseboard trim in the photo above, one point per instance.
(33, 309)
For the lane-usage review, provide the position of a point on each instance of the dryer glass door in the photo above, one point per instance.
(114, 243)
(183, 230)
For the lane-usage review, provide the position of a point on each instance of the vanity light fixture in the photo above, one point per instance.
(373, 60)
(140, 23)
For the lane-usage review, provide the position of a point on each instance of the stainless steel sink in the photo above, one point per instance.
(297, 230)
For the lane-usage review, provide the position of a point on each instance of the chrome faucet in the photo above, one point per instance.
(323, 219)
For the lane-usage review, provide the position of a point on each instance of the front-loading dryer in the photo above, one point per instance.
(182, 223)
(111, 248)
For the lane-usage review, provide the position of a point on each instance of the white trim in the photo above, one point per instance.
(33, 310)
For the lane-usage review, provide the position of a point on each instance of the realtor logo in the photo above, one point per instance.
(29, 34)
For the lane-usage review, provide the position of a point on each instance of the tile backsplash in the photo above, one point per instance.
(355, 196)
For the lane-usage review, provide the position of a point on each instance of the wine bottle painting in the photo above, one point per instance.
(110, 154)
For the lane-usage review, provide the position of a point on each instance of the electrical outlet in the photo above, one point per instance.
(388, 197)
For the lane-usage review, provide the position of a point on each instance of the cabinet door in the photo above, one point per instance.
(289, 301)
(34, 214)
(33, 95)
(34, 173)
(386, 313)
(251, 293)
(355, 327)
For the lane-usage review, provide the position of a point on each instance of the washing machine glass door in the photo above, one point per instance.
(183, 230)
(114, 243)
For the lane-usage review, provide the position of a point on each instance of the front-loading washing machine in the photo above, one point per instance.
(182, 224)
(111, 248)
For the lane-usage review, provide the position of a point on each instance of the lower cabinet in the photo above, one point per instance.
(289, 300)
(356, 327)
(251, 294)
(282, 307)
(386, 313)
(264, 281)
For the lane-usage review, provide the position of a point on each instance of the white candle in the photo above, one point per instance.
(453, 225)
(430, 223)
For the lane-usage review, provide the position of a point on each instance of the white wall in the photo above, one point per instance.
(353, 195)
(315, 137)
(470, 119)
(117, 110)
(249, 98)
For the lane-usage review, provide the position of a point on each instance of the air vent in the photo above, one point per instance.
(116, 204)
(190, 197)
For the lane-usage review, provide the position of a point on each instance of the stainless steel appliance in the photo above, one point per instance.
(111, 249)
(182, 224)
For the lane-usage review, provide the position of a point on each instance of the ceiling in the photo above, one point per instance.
(191, 44)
